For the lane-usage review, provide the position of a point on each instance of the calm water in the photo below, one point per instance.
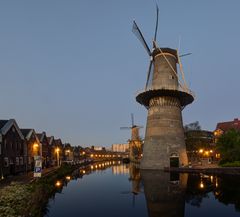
(112, 189)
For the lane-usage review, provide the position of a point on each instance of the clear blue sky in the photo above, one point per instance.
(72, 67)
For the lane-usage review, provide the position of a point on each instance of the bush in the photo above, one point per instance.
(231, 164)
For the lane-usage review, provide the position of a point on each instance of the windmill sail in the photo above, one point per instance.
(156, 28)
(140, 37)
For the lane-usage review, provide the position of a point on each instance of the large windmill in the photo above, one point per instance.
(165, 95)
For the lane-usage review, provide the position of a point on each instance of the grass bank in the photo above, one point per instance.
(25, 200)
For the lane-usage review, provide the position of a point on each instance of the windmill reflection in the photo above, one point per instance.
(164, 193)
(135, 179)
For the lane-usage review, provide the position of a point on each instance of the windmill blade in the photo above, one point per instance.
(182, 72)
(140, 37)
(156, 28)
(186, 54)
(132, 119)
(125, 128)
(148, 74)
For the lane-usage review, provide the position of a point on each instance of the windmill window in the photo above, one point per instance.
(171, 77)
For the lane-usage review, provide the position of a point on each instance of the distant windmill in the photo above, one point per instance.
(134, 129)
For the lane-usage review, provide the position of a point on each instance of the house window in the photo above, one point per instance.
(13, 129)
(21, 160)
(29, 160)
(5, 144)
(17, 161)
(6, 163)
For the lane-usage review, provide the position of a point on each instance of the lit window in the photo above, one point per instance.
(6, 162)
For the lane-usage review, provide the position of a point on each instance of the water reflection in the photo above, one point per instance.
(125, 190)
(225, 189)
(165, 193)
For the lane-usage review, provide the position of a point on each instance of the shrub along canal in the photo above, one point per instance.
(116, 189)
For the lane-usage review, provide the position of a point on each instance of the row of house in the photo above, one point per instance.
(19, 147)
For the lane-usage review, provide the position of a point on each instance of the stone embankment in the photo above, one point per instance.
(211, 170)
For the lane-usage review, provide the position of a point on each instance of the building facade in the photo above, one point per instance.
(13, 150)
(120, 147)
(33, 146)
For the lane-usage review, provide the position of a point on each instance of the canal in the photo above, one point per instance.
(116, 189)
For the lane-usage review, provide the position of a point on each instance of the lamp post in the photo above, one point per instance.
(57, 151)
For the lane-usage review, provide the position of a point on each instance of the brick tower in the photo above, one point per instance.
(164, 144)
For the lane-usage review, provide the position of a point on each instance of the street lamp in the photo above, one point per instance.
(57, 150)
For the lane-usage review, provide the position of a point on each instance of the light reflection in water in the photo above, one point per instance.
(149, 193)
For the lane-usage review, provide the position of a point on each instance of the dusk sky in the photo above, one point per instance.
(72, 67)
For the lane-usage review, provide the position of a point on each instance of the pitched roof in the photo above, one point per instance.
(41, 136)
(58, 142)
(225, 126)
(50, 140)
(25, 132)
(5, 126)
(2, 123)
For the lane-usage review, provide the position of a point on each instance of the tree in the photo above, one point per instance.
(228, 146)
(192, 126)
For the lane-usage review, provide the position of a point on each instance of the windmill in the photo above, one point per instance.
(134, 129)
(165, 96)
(135, 143)
(136, 30)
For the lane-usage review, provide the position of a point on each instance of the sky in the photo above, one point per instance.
(72, 67)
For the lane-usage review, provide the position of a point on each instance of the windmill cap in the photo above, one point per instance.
(165, 50)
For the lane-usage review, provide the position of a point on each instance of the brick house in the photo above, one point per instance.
(33, 146)
(68, 152)
(55, 153)
(59, 146)
(46, 149)
(13, 150)
(223, 127)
